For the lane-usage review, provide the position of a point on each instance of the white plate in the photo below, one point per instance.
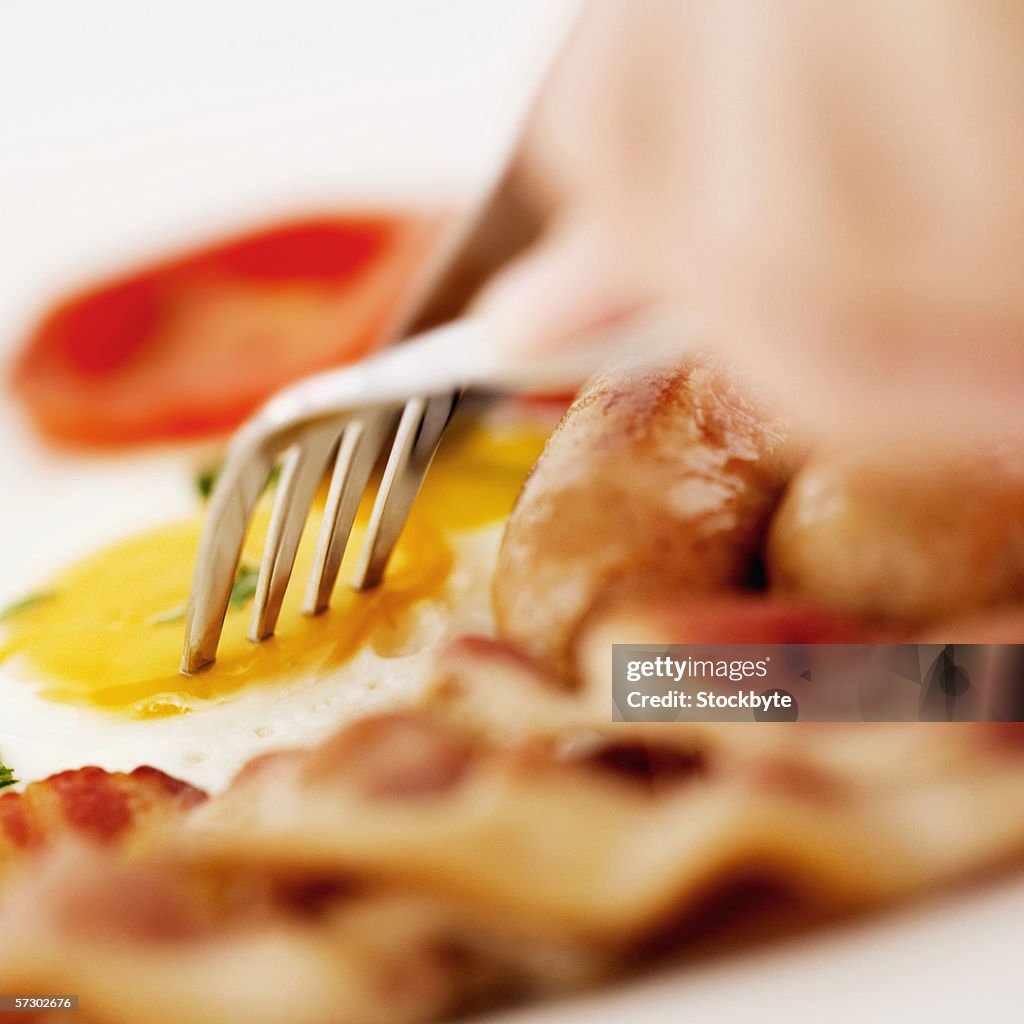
(128, 128)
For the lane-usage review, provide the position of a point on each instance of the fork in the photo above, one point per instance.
(340, 421)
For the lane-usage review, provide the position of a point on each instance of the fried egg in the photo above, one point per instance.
(88, 664)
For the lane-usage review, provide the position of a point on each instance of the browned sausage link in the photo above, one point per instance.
(654, 480)
(901, 535)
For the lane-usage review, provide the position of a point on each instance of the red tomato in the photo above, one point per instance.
(191, 346)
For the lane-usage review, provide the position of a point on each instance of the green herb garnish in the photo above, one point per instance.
(26, 603)
(206, 479)
(6, 776)
(245, 585)
(175, 614)
(241, 591)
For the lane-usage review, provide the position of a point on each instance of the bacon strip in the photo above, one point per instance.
(90, 804)
(452, 859)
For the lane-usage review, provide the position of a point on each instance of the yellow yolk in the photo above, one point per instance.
(110, 634)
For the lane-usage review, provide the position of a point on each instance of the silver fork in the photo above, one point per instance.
(339, 422)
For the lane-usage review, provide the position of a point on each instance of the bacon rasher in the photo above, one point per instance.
(89, 804)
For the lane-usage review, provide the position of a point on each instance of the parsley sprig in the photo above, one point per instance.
(27, 602)
(242, 591)
(206, 479)
(244, 586)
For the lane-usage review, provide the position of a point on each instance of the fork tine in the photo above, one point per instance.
(360, 447)
(239, 486)
(303, 470)
(419, 433)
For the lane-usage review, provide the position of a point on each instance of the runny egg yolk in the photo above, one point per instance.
(108, 632)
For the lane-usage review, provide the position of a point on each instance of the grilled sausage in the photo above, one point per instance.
(655, 479)
(902, 536)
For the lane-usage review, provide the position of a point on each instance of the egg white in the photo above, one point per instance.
(59, 508)
(206, 747)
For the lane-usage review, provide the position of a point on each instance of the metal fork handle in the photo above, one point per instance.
(502, 227)
(462, 354)
(507, 221)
